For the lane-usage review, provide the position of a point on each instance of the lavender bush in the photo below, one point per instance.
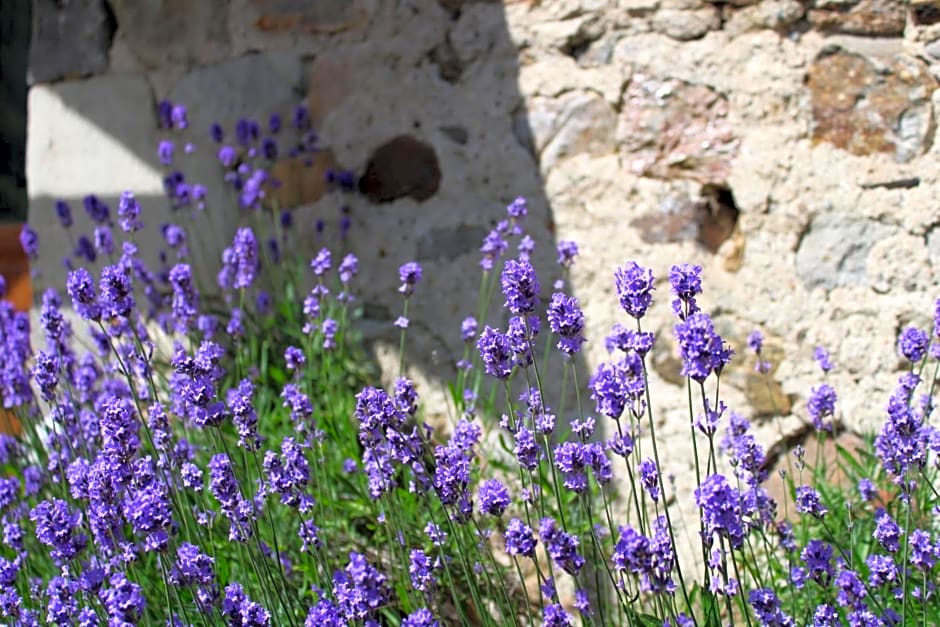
(254, 473)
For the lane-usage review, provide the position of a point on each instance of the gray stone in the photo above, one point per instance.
(174, 31)
(933, 247)
(834, 250)
(933, 49)
(70, 39)
(449, 243)
(575, 123)
(254, 85)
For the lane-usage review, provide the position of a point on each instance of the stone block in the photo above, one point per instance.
(70, 39)
(866, 107)
(834, 250)
(674, 129)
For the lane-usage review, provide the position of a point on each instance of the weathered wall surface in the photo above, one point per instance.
(787, 146)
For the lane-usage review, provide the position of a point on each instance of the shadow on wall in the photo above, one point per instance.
(421, 100)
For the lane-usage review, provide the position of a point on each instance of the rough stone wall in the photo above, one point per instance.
(787, 146)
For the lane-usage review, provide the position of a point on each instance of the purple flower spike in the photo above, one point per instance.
(495, 352)
(520, 286)
(30, 242)
(567, 251)
(165, 152)
(410, 276)
(912, 344)
(701, 348)
(634, 288)
(129, 213)
(567, 320)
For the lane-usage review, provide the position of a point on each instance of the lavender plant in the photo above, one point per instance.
(254, 474)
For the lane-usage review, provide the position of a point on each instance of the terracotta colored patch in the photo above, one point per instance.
(322, 16)
(301, 182)
(866, 109)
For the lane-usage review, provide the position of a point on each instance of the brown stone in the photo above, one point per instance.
(330, 80)
(883, 18)
(709, 219)
(866, 109)
(674, 129)
(300, 182)
(925, 12)
(320, 17)
(401, 167)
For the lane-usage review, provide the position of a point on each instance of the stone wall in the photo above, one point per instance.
(787, 146)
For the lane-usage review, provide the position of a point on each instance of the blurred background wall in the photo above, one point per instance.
(787, 146)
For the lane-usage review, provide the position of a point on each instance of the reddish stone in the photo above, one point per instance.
(675, 129)
(301, 182)
(866, 109)
(322, 16)
(884, 18)
(399, 168)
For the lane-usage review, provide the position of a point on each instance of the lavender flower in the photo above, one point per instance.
(81, 288)
(701, 348)
(468, 329)
(567, 320)
(617, 385)
(116, 293)
(767, 608)
(294, 358)
(520, 286)
(493, 248)
(29, 242)
(242, 611)
(124, 600)
(495, 352)
(360, 589)
(561, 546)
(567, 251)
(420, 618)
(520, 539)
(686, 282)
(245, 250)
(912, 344)
(649, 476)
(57, 527)
(721, 510)
(165, 152)
(64, 212)
(410, 276)
(887, 532)
(555, 616)
(129, 213)
(244, 417)
(185, 297)
(634, 288)
(808, 502)
(494, 497)
(821, 355)
(322, 263)
(818, 559)
(421, 569)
